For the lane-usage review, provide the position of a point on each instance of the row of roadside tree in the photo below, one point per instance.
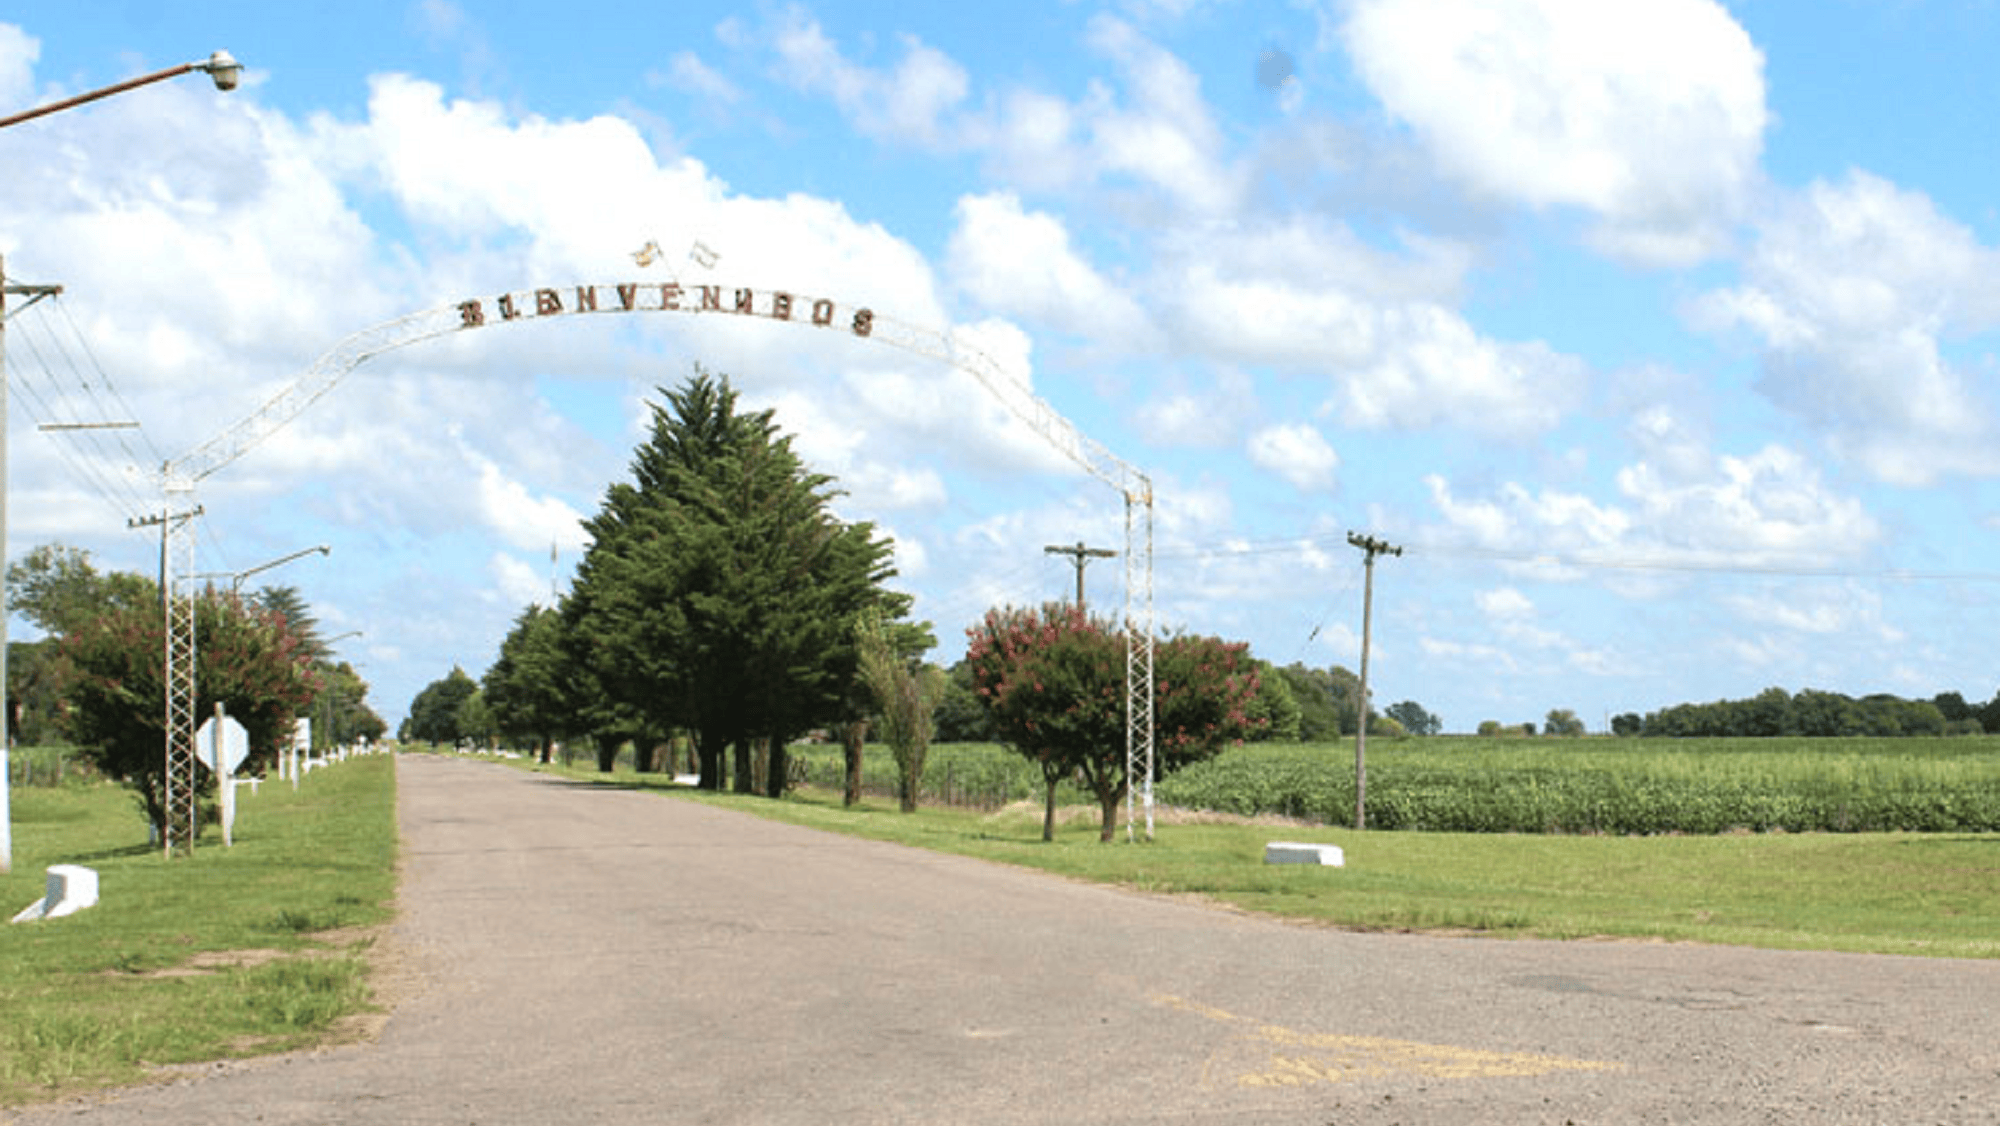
(723, 610)
(94, 680)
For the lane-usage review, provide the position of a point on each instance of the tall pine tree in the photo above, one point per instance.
(719, 590)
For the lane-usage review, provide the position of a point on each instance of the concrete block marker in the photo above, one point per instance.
(71, 888)
(1291, 852)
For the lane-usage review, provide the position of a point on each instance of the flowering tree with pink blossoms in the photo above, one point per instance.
(1053, 681)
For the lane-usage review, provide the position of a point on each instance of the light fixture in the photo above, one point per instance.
(223, 68)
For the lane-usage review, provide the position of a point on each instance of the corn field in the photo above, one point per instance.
(1467, 784)
(1614, 786)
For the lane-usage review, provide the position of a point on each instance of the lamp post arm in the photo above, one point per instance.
(219, 66)
(80, 99)
(236, 580)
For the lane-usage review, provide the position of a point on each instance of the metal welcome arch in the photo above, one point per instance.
(815, 313)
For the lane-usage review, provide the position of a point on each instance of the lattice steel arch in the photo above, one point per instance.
(788, 306)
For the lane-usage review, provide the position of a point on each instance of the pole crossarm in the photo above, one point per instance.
(1079, 555)
(33, 293)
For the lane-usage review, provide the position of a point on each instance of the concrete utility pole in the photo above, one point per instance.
(1080, 555)
(33, 293)
(1371, 547)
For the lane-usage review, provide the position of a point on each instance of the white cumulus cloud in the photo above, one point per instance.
(1648, 115)
(1768, 508)
(519, 516)
(18, 52)
(1299, 453)
(907, 103)
(518, 583)
(1852, 293)
(1020, 262)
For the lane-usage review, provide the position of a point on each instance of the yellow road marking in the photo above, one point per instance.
(1293, 1059)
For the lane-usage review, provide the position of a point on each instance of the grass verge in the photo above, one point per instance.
(1886, 893)
(233, 952)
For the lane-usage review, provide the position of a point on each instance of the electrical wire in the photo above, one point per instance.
(104, 432)
(1704, 566)
(80, 434)
(154, 456)
(1579, 561)
(1025, 584)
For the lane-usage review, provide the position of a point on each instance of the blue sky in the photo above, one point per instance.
(1659, 335)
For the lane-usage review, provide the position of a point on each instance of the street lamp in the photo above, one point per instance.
(220, 66)
(226, 72)
(236, 577)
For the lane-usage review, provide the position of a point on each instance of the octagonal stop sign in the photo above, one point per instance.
(223, 743)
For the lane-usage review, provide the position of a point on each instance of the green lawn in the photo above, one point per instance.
(231, 952)
(1900, 893)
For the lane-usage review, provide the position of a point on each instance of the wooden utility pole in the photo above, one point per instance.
(1080, 555)
(1371, 547)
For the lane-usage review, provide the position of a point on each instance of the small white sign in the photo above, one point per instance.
(222, 745)
(301, 747)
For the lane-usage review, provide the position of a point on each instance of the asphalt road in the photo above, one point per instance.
(582, 955)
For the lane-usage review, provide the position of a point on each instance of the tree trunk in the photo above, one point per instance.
(548, 748)
(607, 752)
(780, 769)
(851, 738)
(1049, 811)
(153, 796)
(642, 754)
(708, 747)
(1110, 789)
(745, 784)
(1109, 801)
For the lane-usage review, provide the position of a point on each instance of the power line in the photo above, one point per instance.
(1020, 583)
(1345, 587)
(61, 407)
(1706, 566)
(94, 435)
(1583, 561)
(154, 456)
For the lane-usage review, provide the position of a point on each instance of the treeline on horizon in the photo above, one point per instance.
(1813, 713)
